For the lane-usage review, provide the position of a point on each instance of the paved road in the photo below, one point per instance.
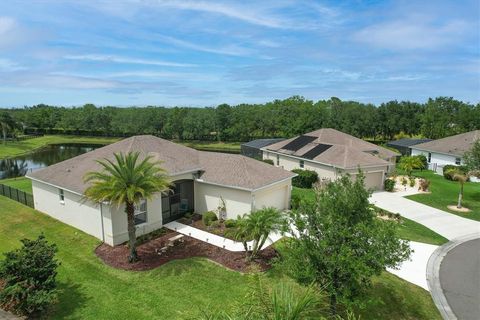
(460, 279)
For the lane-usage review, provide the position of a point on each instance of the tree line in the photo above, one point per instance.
(436, 118)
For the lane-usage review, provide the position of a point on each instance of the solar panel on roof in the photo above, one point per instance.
(299, 143)
(317, 150)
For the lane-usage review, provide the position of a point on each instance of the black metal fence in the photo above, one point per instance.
(17, 195)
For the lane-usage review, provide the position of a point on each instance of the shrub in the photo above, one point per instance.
(449, 170)
(214, 224)
(424, 184)
(295, 201)
(28, 277)
(412, 181)
(423, 160)
(304, 178)
(389, 185)
(269, 161)
(208, 217)
(230, 223)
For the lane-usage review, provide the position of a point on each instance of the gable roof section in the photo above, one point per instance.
(175, 158)
(335, 148)
(454, 145)
(239, 171)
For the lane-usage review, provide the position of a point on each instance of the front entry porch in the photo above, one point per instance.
(178, 201)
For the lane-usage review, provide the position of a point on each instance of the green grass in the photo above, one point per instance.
(233, 147)
(22, 183)
(90, 289)
(408, 229)
(413, 231)
(445, 192)
(12, 149)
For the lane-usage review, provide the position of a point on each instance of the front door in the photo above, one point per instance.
(178, 202)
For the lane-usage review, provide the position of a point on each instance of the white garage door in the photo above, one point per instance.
(272, 197)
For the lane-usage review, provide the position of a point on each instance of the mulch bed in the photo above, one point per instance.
(149, 259)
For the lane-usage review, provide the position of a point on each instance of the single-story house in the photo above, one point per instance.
(332, 153)
(403, 145)
(449, 150)
(201, 181)
(253, 149)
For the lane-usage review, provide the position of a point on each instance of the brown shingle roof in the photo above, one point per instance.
(455, 145)
(231, 170)
(346, 151)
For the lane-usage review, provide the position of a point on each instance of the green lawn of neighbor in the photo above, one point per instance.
(233, 147)
(408, 229)
(16, 148)
(90, 289)
(21, 183)
(445, 192)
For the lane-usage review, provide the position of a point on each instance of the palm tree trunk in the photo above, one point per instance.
(4, 133)
(460, 196)
(132, 239)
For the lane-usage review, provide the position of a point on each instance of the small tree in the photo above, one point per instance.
(257, 227)
(28, 276)
(461, 178)
(472, 159)
(7, 124)
(127, 182)
(339, 243)
(408, 164)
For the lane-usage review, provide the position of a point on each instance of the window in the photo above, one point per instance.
(278, 159)
(458, 161)
(141, 212)
(302, 164)
(429, 157)
(61, 196)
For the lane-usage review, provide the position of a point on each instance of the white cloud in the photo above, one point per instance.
(232, 50)
(126, 60)
(411, 34)
(7, 65)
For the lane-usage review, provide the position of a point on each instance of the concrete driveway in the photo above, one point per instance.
(446, 224)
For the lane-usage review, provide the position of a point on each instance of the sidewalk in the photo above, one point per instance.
(446, 224)
(214, 239)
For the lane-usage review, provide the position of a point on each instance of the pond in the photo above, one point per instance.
(51, 154)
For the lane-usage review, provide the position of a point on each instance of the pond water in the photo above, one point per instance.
(51, 154)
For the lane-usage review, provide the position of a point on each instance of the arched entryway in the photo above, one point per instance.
(178, 201)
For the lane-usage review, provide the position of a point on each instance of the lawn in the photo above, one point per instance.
(90, 289)
(445, 192)
(22, 183)
(12, 149)
(230, 147)
(408, 229)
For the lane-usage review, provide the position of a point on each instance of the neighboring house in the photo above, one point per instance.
(449, 150)
(201, 182)
(332, 153)
(253, 149)
(403, 145)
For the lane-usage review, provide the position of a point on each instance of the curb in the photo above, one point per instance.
(433, 274)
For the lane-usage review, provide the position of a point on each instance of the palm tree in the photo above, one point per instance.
(257, 226)
(126, 182)
(461, 178)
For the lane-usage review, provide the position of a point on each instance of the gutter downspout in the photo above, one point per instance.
(101, 222)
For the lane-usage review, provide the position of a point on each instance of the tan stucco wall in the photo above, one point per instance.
(119, 228)
(277, 196)
(207, 198)
(374, 176)
(84, 216)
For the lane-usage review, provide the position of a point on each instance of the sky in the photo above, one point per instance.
(204, 53)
